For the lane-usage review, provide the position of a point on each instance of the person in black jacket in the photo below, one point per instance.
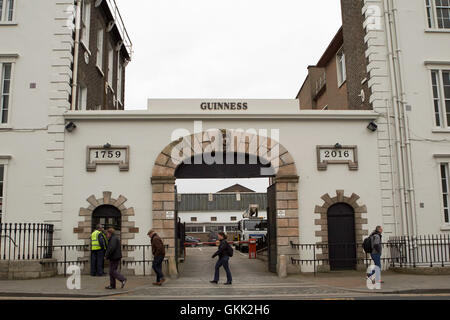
(114, 255)
(224, 256)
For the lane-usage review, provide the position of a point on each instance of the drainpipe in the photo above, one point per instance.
(411, 186)
(75, 53)
(398, 136)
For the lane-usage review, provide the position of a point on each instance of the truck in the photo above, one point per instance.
(250, 227)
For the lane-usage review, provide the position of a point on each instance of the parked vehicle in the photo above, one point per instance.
(191, 241)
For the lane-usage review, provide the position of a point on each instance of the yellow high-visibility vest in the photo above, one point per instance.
(95, 243)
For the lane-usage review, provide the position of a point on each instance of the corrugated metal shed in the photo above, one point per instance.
(220, 201)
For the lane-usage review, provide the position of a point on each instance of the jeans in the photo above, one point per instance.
(223, 262)
(113, 273)
(157, 266)
(377, 260)
(97, 262)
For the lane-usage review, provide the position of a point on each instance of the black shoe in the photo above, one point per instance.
(215, 282)
(123, 283)
(109, 288)
(227, 283)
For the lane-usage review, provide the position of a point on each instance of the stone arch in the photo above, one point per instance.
(84, 229)
(286, 180)
(322, 220)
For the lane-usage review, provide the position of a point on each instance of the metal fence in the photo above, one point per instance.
(403, 252)
(25, 241)
(67, 255)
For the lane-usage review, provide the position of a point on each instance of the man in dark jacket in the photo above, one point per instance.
(376, 240)
(114, 255)
(224, 256)
(159, 252)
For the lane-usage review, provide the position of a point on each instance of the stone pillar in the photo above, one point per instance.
(163, 197)
(287, 225)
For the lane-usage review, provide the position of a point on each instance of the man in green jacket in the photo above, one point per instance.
(98, 248)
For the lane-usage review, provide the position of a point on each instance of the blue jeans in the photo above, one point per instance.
(223, 262)
(376, 257)
(97, 262)
(157, 266)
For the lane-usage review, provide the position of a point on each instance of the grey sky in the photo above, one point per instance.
(224, 48)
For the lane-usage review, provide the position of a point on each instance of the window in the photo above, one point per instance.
(193, 219)
(6, 10)
(2, 191)
(85, 22)
(194, 229)
(5, 90)
(100, 49)
(213, 218)
(214, 229)
(445, 188)
(82, 97)
(231, 228)
(440, 80)
(233, 218)
(438, 13)
(119, 86)
(110, 65)
(341, 69)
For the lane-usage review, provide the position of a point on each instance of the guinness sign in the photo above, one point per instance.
(223, 106)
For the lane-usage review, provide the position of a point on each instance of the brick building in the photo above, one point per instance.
(339, 80)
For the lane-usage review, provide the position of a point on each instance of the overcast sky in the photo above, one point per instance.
(224, 48)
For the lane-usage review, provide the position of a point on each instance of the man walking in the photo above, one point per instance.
(159, 253)
(376, 240)
(98, 248)
(114, 255)
(224, 252)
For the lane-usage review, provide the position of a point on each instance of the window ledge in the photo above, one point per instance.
(5, 127)
(100, 70)
(445, 227)
(436, 30)
(8, 23)
(441, 130)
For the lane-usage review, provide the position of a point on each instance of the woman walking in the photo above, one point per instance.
(224, 252)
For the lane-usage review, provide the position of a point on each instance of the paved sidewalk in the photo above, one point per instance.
(251, 280)
(394, 283)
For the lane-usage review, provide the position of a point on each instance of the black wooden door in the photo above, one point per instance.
(341, 237)
(272, 227)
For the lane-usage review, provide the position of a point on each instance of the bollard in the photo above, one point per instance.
(252, 249)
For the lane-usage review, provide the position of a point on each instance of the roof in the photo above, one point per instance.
(220, 201)
(236, 188)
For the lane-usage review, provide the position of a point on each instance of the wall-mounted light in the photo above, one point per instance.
(107, 146)
(372, 126)
(70, 126)
(338, 146)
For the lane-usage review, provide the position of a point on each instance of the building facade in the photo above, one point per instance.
(408, 64)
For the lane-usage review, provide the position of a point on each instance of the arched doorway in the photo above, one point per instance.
(341, 237)
(284, 178)
(108, 216)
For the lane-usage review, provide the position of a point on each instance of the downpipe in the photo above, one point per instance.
(76, 53)
(403, 206)
(411, 186)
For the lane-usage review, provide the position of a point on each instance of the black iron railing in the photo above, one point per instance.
(67, 255)
(25, 241)
(404, 251)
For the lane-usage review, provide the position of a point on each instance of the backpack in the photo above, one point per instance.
(230, 251)
(367, 245)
